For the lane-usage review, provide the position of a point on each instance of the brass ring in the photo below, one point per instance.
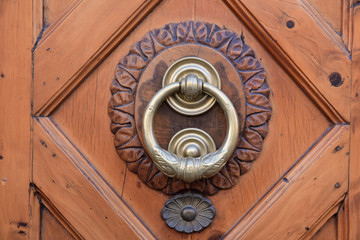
(190, 169)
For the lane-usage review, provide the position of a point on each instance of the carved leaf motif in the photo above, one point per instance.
(123, 88)
(220, 37)
(235, 48)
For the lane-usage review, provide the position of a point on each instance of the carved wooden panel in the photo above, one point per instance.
(80, 172)
(123, 107)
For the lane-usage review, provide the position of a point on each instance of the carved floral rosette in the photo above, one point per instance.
(121, 106)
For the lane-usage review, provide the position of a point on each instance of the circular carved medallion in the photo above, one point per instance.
(139, 75)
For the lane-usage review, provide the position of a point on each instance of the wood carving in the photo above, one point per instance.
(122, 103)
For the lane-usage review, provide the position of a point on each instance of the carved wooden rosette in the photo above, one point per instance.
(122, 103)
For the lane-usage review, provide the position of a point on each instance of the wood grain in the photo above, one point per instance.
(76, 190)
(295, 49)
(293, 109)
(15, 117)
(37, 19)
(331, 212)
(354, 170)
(66, 55)
(51, 228)
(317, 181)
(56, 9)
(331, 12)
(328, 231)
(347, 23)
(296, 123)
(34, 229)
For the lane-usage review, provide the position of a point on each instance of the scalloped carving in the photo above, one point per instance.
(122, 103)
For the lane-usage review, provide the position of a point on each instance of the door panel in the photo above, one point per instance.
(302, 169)
(51, 228)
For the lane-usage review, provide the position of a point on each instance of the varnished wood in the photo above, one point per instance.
(233, 204)
(331, 12)
(314, 65)
(92, 200)
(55, 10)
(347, 23)
(298, 61)
(76, 61)
(34, 231)
(307, 186)
(96, 144)
(51, 228)
(354, 188)
(343, 220)
(328, 231)
(331, 212)
(37, 19)
(15, 117)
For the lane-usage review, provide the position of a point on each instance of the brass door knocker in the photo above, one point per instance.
(194, 160)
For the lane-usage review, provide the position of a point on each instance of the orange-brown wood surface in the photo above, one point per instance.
(75, 122)
(61, 176)
(54, 10)
(354, 188)
(328, 231)
(51, 228)
(15, 117)
(331, 12)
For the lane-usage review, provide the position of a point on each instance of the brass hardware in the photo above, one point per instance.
(195, 70)
(191, 142)
(189, 168)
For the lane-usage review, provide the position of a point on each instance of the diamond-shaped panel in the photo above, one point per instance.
(296, 124)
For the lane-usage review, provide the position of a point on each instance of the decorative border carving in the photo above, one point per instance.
(121, 106)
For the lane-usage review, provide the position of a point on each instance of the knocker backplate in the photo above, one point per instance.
(139, 75)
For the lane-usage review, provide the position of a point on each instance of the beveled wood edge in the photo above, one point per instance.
(324, 218)
(279, 190)
(37, 19)
(38, 197)
(100, 185)
(333, 35)
(347, 23)
(285, 61)
(49, 29)
(104, 50)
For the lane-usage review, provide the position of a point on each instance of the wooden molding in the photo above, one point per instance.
(52, 209)
(64, 58)
(50, 28)
(37, 18)
(319, 180)
(64, 176)
(324, 25)
(347, 23)
(323, 219)
(310, 69)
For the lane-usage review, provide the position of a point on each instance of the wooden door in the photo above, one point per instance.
(300, 181)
